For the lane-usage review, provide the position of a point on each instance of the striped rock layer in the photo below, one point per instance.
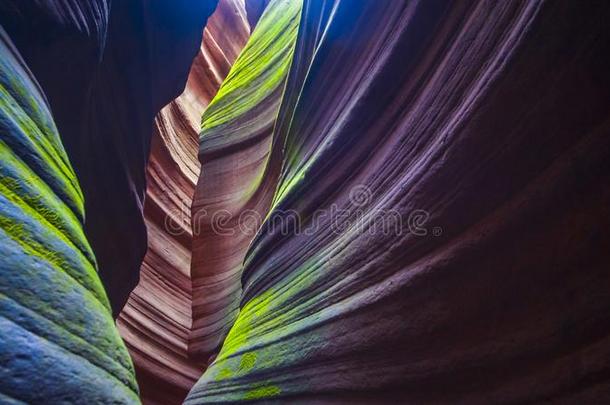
(399, 201)
(447, 163)
(236, 184)
(156, 321)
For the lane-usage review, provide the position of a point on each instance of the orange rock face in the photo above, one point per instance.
(156, 322)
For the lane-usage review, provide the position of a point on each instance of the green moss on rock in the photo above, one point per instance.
(261, 67)
(55, 322)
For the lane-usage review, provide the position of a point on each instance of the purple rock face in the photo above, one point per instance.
(480, 132)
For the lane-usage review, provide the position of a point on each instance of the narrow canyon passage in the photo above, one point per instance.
(304, 202)
(157, 322)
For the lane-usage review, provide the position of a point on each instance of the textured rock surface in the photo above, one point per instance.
(62, 42)
(58, 340)
(482, 130)
(235, 181)
(156, 321)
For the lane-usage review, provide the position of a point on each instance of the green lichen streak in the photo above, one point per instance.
(55, 321)
(261, 67)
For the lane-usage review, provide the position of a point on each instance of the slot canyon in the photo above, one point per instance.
(304, 202)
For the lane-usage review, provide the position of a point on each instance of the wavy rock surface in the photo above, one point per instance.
(236, 185)
(106, 75)
(464, 149)
(156, 321)
(59, 343)
(165, 37)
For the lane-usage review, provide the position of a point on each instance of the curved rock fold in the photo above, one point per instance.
(156, 321)
(236, 185)
(479, 131)
(55, 317)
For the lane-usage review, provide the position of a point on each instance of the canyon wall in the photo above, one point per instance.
(82, 82)
(58, 340)
(398, 201)
(156, 321)
(447, 163)
(235, 181)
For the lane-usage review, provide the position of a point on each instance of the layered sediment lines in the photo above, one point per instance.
(463, 148)
(238, 178)
(156, 322)
(58, 340)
